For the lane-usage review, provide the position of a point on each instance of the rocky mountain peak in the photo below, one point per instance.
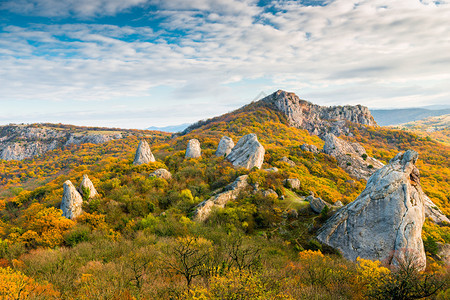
(315, 118)
(385, 221)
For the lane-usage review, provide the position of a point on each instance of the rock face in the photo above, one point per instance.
(162, 173)
(292, 183)
(225, 146)
(193, 149)
(386, 218)
(86, 183)
(288, 161)
(315, 118)
(143, 154)
(352, 157)
(18, 142)
(71, 201)
(444, 253)
(230, 192)
(316, 204)
(434, 213)
(309, 148)
(247, 153)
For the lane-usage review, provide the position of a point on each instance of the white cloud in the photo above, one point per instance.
(367, 51)
(64, 8)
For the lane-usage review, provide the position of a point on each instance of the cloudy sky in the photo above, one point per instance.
(140, 63)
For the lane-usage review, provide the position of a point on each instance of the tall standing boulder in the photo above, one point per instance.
(87, 186)
(193, 149)
(385, 219)
(143, 154)
(247, 153)
(71, 201)
(225, 146)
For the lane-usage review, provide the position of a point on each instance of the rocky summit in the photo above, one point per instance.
(87, 186)
(193, 149)
(143, 154)
(71, 201)
(385, 221)
(225, 145)
(315, 118)
(352, 157)
(247, 153)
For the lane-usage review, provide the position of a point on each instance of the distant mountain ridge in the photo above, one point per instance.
(386, 117)
(171, 128)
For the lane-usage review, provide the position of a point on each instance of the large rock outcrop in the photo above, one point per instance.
(434, 213)
(247, 153)
(143, 154)
(316, 204)
(352, 157)
(315, 118)
(18, 142)
(193, 149)
(162, 173)
(225, 145)
(229, 193)
(87, 185)
(71, 201)
(385, 219)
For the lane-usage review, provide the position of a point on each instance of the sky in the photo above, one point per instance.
(141, 63)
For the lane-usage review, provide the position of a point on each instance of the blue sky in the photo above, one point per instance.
(140, 63)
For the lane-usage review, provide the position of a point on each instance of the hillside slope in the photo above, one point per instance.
(436, 128)
(128, 241)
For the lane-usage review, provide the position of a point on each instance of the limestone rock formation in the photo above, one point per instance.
(273, 169)
(315, 118)
(86, 184)
(292, 183)
(316, 204)
(338, 204)
(71, 201)
(193, 149)
(225, 146)
(434, 213)
(162, 173)
(444, 253)
(247, 153)
(143, 154)
(288, 161)
(230, 192)
(270, 193)
(386, 218)
(309, 148)
(352, 157)
(18, 142)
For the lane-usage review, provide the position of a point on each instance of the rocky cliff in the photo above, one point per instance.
(315, 118)
(352, 157)
(385, 221)
(18, 142)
